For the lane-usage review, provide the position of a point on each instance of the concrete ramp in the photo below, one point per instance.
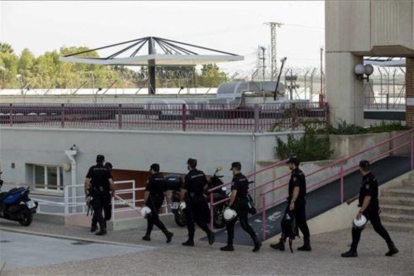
(322, 199)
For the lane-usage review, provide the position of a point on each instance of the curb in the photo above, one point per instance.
(73, 238)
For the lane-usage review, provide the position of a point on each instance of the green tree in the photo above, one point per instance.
(8, 78)
(212, 76)
(6, 48)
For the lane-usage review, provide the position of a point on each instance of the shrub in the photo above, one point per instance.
(387, 127)
(343, 128)
(310, 147)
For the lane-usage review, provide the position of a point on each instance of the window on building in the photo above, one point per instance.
(48, 177)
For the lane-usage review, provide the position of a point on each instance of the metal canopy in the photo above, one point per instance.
(385, 61)
(160, 52)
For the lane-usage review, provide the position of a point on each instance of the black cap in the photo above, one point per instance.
(293, 160)
(236, 165)
(192, 162)
(100, 159)
(365, 165)
(155, 167)
(108, 165)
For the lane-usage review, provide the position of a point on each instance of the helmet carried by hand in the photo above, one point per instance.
(145, 211)
(229, 214)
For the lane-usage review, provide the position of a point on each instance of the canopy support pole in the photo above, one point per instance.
(151, 67)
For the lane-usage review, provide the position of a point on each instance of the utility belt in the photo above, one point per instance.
(99, 190)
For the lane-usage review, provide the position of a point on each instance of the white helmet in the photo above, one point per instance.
(360, 223)
(145, 211)
(183, 205)
(229, 214)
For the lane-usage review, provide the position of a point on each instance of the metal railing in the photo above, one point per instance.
(341, 174)
(210, 191)
(73, 201)
(384, 102)
(151, 116)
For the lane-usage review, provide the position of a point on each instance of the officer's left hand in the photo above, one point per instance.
(292, 206)
(358, 217)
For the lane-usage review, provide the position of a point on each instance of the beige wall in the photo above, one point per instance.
(391, 24)
(345, 93)
(362, 28)
(341, 18)
(376, 27)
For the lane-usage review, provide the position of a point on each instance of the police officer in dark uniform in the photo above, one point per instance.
(238, 202)
(107, 208)
(369, 207)
(296, 204)
(155, 192)
(99, 176)
(196, 206)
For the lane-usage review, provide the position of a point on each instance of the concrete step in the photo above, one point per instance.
(402, 227)
(398, 192)
(393, 200)
(408, 183)
(397, 218)
(411, 175)
(398, 209)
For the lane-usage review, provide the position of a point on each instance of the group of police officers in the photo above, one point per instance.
(99, 191)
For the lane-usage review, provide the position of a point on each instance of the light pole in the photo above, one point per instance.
(283, 60)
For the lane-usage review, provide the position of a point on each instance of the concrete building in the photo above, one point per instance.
(37, 155)
(355, 29)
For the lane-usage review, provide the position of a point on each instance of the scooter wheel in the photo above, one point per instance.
(26, 216)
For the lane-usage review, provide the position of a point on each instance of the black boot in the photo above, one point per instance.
(350, 254)
(146, 237)
(102, 230)
(392, 250)
(279, 246)
(228, 248)
(168, 235)
(210, 236)
(94, 227)
(257, 244)
(306, 247)
(189, 242)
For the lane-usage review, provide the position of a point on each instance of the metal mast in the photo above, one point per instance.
(273, 56)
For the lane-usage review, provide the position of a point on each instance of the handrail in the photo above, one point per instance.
(268, 182)
(342, 171)
(252, 173)
(309, 188)
(212, 203)
(353, 155)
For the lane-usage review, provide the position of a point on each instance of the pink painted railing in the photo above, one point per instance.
(342, 173)
(212, 203)
(165, 116)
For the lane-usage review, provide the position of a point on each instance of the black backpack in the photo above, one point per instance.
(289, 228)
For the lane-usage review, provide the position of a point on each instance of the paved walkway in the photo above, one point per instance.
(23, 250)
(173, 259)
